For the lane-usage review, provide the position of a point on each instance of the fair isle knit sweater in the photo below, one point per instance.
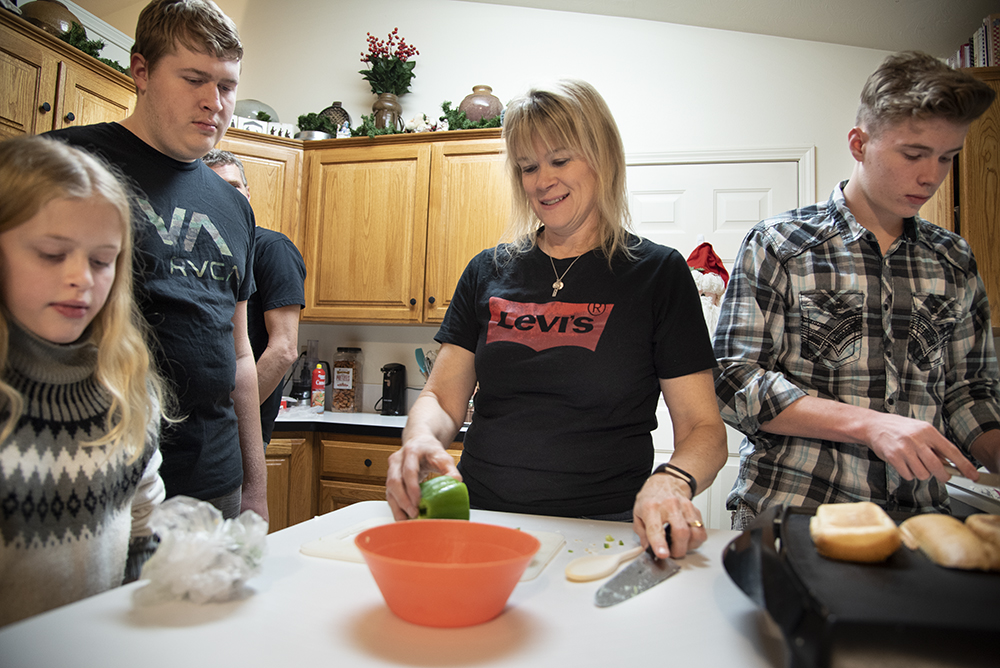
(67, 512)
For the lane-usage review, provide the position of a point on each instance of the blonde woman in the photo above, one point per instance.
(573, 332)
(80, 404)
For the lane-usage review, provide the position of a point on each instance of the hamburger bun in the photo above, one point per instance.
(986, 527)
(854, 532)
(948, 542)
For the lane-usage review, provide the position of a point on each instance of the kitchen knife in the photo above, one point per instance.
(645, 572)
(988, 479)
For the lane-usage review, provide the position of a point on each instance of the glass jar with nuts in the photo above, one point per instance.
(347, 376)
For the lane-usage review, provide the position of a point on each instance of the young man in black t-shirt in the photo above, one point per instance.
(194, 248)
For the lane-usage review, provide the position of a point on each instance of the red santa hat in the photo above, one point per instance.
(704, 259)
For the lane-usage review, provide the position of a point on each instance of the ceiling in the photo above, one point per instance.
(935, 26)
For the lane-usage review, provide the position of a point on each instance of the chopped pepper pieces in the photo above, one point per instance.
(443, 497)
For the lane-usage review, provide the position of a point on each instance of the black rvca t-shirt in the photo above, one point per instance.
(193, 262)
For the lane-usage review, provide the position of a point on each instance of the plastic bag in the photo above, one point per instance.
(202, 557)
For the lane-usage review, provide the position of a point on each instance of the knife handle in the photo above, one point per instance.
(666, 533)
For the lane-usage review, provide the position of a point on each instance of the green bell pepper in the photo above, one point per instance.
(443, 497)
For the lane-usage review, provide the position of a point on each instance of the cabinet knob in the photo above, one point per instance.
(413, 302)
(70, 117)
(45, 108)
(368, 462)
(430, 300)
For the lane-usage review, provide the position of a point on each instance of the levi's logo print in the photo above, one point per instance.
(550, 325)
(214, 270)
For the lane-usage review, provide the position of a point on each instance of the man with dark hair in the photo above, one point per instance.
(854, 341)
(194, 248)
(273, 310)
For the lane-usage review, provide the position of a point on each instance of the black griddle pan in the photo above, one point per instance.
(906, 611)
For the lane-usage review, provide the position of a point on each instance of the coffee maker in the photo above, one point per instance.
(393, 389)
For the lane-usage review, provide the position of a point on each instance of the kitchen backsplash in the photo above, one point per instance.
(380, 344)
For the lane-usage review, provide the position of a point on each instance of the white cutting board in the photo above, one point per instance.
(340, 546)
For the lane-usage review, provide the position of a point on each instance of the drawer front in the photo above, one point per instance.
(365, 461)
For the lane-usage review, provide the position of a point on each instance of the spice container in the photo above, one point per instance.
(347, 378)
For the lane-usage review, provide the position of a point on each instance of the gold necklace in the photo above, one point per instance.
(559, 285)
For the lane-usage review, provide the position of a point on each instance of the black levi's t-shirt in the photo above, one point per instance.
(568, 385)
(193, 261)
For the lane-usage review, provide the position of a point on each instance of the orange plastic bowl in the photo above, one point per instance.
(446, 572)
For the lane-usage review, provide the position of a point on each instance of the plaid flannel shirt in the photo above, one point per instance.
(814, 308)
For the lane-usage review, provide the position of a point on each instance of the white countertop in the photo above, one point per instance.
(313, 611)
(331, 417)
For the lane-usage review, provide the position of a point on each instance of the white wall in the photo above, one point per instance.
(671, 87)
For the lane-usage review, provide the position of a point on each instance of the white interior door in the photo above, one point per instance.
(680, 200)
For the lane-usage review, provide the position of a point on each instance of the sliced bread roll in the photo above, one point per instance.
(986, 527)
(948, 542)
(854, 532)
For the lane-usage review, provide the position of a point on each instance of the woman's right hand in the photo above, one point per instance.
(434, 420)
(418, 457)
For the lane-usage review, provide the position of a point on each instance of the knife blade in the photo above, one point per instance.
(988, 479)
(645, 572)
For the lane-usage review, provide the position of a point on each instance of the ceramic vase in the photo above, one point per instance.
(51, 16)
(480, 104)
(387, 111)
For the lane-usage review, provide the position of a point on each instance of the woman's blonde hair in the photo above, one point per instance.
(569, 115)
(33, 172)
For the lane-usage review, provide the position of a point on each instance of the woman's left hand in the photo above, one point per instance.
(663, 499)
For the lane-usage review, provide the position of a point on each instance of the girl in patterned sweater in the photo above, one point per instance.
(80, 402)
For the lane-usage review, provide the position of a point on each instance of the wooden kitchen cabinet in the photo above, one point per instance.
(48, 84)
(392, 222)
(292, 479)
(968, 202)
(273, 166)
(468, 210)
(354, 468)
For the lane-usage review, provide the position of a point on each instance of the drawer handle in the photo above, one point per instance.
(368, 462)
(45, 108)
(70, 117)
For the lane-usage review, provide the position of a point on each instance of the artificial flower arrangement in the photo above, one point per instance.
(390, 69)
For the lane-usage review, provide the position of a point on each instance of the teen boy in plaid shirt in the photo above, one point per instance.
(854, 340)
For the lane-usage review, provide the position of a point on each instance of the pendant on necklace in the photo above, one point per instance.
(556, 287)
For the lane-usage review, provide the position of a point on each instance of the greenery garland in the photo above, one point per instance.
(368, 129)
(317, 123)
(457, 120)
(76, 36)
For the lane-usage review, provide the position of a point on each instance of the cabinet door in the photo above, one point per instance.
(90, 97)
(292, 477)
(334, 495)
(274, 176)
(468, 211)
(979, 191)
(365, 233)
(28, 81)
(279, 474)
